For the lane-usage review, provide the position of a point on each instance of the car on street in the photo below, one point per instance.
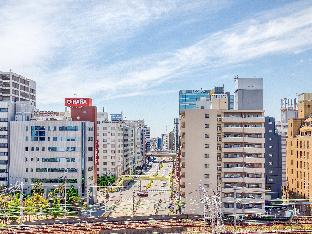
(142, 194)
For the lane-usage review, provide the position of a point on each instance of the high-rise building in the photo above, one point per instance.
(15, 88)
(10, 111)
(222, 150)
(111, 146)
(171, 140)
(159, 143)
(165, 141)
(249, 93)
(196, 99)
(243, 162)
(81, 109)
(188, 98)
(147, 138)
(200, 154)
(298, 152)
(122, 145)
(273, 159)
(288, 111)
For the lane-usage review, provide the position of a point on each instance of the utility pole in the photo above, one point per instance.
(21, 204)
(133, 194)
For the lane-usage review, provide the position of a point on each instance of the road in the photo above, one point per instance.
(156, 203)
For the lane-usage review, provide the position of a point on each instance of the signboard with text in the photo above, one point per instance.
(116, 117)
(78, 102)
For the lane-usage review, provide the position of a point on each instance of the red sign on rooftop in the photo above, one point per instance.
(78, 102)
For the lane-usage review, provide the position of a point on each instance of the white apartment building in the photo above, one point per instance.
(15, 88)
(134, 144)
(53, 152)
(165, 141)
(122, 145)
(243, 180)
(9, 111)
(111, 147)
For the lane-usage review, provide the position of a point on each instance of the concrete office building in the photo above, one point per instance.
(7, 113)
(171, 140)
(154, 144)
(15, 88)
(122, 145)
(298, 152)
(10, 111)
(147, 138)
(248, 93)
(199, 157)
(165, 141)
(273, 160)
(135, 135)
(223, 151)
(289, 111)
(111, 146)
(53, 152)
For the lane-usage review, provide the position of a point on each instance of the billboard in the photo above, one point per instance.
(78, 102)
(116, 117)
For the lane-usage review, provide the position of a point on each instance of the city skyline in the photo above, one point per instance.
(142, 53)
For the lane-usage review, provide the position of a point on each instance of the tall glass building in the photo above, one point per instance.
(188, 98)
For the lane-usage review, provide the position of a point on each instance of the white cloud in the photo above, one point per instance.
(58, 43)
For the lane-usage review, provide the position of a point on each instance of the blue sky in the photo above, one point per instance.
(134, 56)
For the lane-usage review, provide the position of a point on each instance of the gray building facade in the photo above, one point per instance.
(248, 93)
(273, 159)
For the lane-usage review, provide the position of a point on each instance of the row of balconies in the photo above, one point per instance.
(234, 119)
(241, 180)
(244, 169)
(248, 150)
(243, 200)
(243, 139)
(244, 159)
(243, 130)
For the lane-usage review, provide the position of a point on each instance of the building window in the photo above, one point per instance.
(207, 116)
(206, 135)
(207, 176)
(206, 146)
(90, 148)
(37, 133)
(206, 165)
(206, 155)
(26, 148)
(206, 125)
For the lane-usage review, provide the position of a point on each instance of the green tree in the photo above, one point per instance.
(38, 188)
